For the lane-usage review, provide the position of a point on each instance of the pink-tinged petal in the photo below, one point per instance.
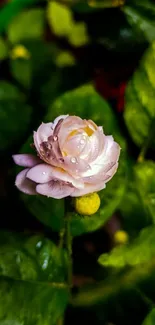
(26, 160)
(75, 145)
(44, 173)
(55, 189)
(69, 125)
(109, 155)
(56, 121)
(24, 184)
(97, 178)
(44, 131)
(89, 188)
(62, 175)
(40, 174)
(112, 171)
(112, 152)
(75, 166)
(91, 124)
(96, 145)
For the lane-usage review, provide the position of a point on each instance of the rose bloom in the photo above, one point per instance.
(74, 158)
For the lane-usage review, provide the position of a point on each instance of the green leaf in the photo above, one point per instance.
(61, 21)
(86, 103)
(43, 65)
(126, 281)
(65, 59)
(3, 49)
(32, 275)
(60, 18)
(83, 7)
(144, 177)
(78, 36)
(133, 211)
(62, 80)
(49, 211)
(138, 204)
(140, 251)
(11, 9)
(150, 319)
(140, 99)
(141, 16)
(26, 25)
(15, 115)
(21, 70)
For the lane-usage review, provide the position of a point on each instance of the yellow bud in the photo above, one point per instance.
(87, 204)
(121, 237)
(20, 51)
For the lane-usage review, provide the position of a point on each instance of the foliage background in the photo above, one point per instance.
(94, 59)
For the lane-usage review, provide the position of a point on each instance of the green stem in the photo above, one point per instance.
(61, 237)
(69, 249)
(146, 299)
(147, 142)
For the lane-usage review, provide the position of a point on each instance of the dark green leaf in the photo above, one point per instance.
(15, 115)
(150, 319)
(133, 212)
(140, 251)
(141, 16)
(108, 291)
(140, 109)
(43, 65)
(86, 103)
(145, 180)
(14, 93)
(32, 275)
(49, 211)
(83, 7)
(21, 70)
(11, 9)
(62, 80)
(138, 204)
(27, 25)
(3, 49)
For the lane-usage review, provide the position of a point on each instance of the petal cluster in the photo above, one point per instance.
(74, 158)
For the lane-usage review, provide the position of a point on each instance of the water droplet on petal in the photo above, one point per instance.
(44, 173)
(73, 160)
(55, 138)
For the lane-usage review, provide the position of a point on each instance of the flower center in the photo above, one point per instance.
(88, 130)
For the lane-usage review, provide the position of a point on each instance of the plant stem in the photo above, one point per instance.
(147, 142)
(69, 249)
(61, 237)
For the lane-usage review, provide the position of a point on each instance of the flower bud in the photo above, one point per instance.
(121, 237)
(88, 204)
(20, 51)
